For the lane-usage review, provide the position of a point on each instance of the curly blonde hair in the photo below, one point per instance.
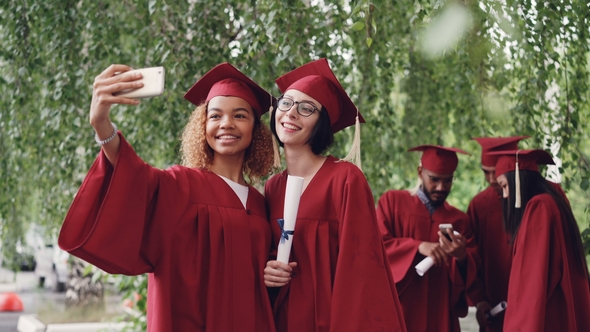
(196, 152)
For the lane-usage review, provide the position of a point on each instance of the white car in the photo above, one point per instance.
(52, 265)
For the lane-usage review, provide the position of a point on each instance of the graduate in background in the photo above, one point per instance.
(549, 286)
(198, 230)
(338, 278)
(493, 243)
(409, 221)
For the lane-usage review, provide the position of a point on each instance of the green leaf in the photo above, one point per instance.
(585, 184)
(87, 270)
(152, 6)
(358, 26)
(96, 276)
(357, 8)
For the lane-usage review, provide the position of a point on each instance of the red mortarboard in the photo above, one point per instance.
(517, 160)
(489, 144)
(527, 159)
(318, 81)
(439, 159)
(226, 80)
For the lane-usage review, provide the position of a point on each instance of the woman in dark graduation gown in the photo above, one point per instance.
(198, 229)
(339, 279)
(549, 288)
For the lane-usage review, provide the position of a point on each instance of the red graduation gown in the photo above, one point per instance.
(547, 290)
(341, 282)
(495, 251)
(435, 301)
(205, 254)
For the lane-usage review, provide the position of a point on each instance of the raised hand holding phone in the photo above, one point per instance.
(111, 81)
(105, 85)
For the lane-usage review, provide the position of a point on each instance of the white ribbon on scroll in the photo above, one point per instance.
(426, 263)
(498, 309)
(287, 224)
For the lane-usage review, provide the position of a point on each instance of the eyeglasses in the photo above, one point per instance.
(303, 108)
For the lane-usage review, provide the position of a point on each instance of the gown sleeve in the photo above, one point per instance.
(364, 295)
(476, 293)
(123, 217)
(463, 278)
(401, 251)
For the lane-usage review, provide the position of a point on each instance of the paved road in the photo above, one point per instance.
(469, 323)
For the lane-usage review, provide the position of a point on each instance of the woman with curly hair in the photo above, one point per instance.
(548, 289)
(199, 229)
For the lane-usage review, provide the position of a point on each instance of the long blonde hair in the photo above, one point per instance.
(196, 152)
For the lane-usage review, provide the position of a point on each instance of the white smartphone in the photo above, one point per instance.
(153, 84)
(443, 229)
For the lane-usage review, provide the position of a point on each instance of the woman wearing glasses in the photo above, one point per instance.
(338, 278)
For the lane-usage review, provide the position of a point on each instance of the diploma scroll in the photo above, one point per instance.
(497, 309)
(287, 224)
(424, 266)
(426, 263)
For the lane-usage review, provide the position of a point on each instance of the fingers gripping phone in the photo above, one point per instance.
(153, 84)
(443, 229)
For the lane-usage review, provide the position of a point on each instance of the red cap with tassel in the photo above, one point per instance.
(317, 80)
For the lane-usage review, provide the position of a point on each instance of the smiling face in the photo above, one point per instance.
(293, 128)
(229, 125)
(503, 183)
(436, 186)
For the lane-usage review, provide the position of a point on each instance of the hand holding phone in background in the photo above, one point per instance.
(443, 229)
(453, 245)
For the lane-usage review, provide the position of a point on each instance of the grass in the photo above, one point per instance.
(53, 315)
(58, 313)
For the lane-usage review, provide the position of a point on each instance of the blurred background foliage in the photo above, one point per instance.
(421, 72)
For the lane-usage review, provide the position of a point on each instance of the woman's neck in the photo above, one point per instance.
(301, 161)
(229, 167)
